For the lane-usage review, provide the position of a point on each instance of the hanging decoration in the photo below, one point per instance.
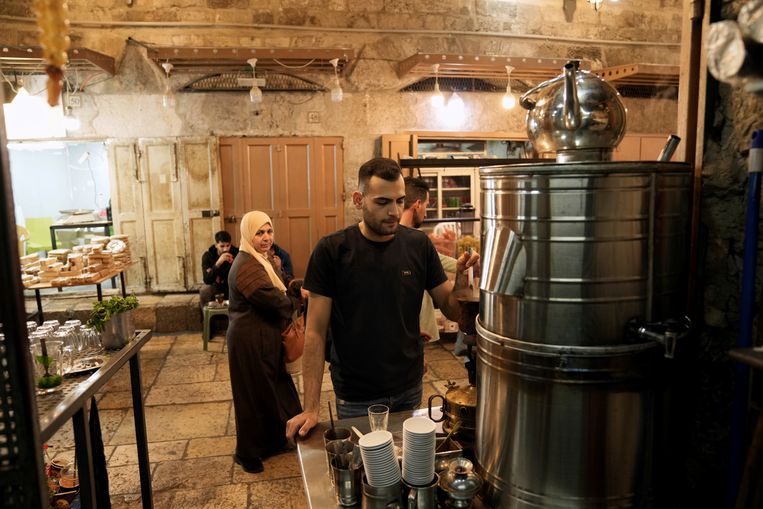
(53, 23)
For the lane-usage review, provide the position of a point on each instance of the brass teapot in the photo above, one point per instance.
(459, 411)
(577, 114)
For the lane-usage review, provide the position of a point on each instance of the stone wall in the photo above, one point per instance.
(733, 115)
(384, 32)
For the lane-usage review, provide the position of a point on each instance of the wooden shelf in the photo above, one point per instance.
(482, 66)
(641, 74)
(211, 60)
(29, 60)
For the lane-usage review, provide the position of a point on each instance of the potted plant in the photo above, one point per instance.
(113, 319)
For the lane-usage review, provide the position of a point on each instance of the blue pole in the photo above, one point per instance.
(746, 307)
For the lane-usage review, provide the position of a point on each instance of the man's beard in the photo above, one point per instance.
(379, 227)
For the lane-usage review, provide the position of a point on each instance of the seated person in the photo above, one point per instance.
(279, 255)
(215, 265)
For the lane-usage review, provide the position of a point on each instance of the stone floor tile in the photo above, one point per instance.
(115, 399)
(177, 422)
(281, 493)
(124, 479)
(189, 393)
(111, 420)
(447, 369)
(193, 473)
(161, 500)
(157, 451)
(190, 359)
(230, 496)
(428, 389)
(436, 352)
(174, 375)
(216, 344)
(284, 465)
(223, 371)
(231, 427)
(215, 446)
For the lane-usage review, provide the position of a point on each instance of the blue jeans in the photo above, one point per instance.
(407, 400)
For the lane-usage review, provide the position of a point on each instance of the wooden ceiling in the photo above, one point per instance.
(218, 60)
(29, 60)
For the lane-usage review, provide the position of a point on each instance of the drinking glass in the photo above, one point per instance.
(220, 298)
(378, 415)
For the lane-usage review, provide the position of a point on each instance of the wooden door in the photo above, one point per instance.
(200, 187)
(127, 208)
(163, 215)
(298, 182)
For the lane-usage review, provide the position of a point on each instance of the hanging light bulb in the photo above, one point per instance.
(596, 4)
(437, 99)
(168, 98)
(337, 94)
(509, 101)
(255, 93)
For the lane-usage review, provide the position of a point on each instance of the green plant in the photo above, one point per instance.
(103, 310)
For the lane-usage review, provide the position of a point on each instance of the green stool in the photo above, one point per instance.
(209, 312)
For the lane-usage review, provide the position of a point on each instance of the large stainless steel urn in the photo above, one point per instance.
(578, 257)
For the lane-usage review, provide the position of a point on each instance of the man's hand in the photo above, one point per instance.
(465, 261)
(224, 258)
(301, 424)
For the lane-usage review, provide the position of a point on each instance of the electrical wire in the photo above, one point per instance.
(293, 66)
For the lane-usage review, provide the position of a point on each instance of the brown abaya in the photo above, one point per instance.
(264, 395)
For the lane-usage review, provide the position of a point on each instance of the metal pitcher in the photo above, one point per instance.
(577, 114)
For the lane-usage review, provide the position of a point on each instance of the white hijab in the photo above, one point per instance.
(250, 223)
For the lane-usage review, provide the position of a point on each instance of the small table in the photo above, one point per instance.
(73, 402)
(41, 286)
(75, 226)
(209, 312)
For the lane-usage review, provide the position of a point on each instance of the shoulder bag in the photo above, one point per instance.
(294, 338)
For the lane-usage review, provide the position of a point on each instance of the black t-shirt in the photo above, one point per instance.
(376, 290)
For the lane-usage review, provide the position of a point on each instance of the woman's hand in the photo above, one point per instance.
(295, 288)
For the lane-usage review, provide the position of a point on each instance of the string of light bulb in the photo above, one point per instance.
(508, 101)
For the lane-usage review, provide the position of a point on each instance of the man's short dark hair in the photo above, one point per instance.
(222, 236)
(381, 167)
(415, 189)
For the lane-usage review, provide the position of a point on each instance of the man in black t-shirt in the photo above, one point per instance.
(366, 282)
(215, 265)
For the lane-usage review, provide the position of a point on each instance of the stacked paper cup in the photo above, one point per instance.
(418, 451)
(382, 468)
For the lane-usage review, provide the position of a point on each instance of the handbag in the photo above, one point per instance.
(294, 339)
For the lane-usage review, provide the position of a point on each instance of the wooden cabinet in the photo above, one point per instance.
(449, 189)
(444, 144)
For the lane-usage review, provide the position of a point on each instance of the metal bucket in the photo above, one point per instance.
(572, 251)
(565, 427)
(118, 331)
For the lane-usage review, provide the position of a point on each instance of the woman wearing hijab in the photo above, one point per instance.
(264, 396)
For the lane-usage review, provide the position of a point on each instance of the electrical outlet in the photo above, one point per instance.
(313, 117)
(74, 101)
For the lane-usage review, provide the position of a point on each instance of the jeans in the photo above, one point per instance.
(406, 400)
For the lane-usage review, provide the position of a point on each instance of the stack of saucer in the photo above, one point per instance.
(418, 451)
(382, 468)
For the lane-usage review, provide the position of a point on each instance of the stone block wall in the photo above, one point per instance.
(383, 32)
